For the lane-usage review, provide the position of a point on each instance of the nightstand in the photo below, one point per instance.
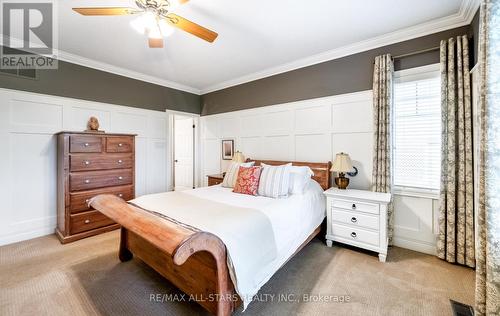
(215, 179)
(358, 218)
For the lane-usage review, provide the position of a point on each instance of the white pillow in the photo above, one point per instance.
(274, 181)
(232, 173)
(299, 177)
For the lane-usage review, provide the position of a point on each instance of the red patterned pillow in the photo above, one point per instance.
(248, 180)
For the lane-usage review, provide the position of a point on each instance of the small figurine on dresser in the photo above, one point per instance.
(93, 125)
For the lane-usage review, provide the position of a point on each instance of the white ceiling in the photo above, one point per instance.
(256, 38)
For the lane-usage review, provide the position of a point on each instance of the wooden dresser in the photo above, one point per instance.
(89, 164)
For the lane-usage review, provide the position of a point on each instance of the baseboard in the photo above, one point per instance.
(415, 245)
(10, 239)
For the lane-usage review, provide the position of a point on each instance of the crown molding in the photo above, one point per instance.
(87, 62)
(91, 63)
(468, 9)
(463, 17)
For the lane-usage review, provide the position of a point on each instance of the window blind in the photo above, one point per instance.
(417, 132)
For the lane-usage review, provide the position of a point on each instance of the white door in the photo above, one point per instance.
(183, 152)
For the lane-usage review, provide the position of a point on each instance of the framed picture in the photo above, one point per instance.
(227, 149)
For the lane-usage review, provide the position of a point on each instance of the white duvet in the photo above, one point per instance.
(291, 220)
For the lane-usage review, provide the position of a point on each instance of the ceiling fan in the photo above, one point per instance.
(155, 20)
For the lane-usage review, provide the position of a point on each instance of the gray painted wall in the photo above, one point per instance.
(79, 82)
(344, 75)
(474, 32)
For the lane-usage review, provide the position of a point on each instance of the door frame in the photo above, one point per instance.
(171, 147)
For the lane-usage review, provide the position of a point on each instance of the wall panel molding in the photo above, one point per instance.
(315, 130)
(28, 163)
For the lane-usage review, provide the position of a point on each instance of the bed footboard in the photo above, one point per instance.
(194, 261)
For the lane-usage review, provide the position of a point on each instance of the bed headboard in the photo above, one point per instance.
(321, 169)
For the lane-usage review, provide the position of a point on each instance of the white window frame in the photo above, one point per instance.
(405, 75)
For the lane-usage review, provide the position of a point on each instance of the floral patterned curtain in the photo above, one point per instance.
(488, 217)
(456, 213)
(382, 111)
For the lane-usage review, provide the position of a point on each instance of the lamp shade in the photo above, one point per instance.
(238, 157)
(342, 163)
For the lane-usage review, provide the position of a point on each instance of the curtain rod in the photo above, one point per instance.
(417, 52)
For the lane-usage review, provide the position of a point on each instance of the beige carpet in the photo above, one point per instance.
(43, 277)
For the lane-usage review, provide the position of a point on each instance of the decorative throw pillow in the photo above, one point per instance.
(248, 180)
(274, 181)
(232, 173)
(299, 177)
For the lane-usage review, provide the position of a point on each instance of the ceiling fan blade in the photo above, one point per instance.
(106, 11)
(191, 27)
(155, 42)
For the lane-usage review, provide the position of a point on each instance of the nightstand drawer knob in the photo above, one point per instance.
(120, 178)
(86, 144)
(120, 195)
(87, 162)
(87, 221)
(353, 206)
(87, 181)
(120, 145)
(120, 161)
(353, 235)
(354, 219)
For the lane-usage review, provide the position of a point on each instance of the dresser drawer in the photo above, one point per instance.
(79, 201)
(356, 206)
(355, 219)
(85, 144)
(82, 222)
(356, 234)
(82, 162)
(99, 179)
(119, 144)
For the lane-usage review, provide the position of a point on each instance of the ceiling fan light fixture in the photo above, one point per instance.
(144, 22)
(151, 25)
(165, 28)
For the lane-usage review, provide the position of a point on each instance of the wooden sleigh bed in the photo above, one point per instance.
(193, 260)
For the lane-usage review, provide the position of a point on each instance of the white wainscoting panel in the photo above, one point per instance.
(28, 160)
(415, 223)
(315, 130)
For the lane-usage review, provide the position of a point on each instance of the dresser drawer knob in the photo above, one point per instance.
(87, 162)
(353, 206)
(120, 178)
(120, 161)
(87, 221)
(87, 181)
(353, 235)
(86, 144)
(120, 195)
(354, 219)
(120, 145)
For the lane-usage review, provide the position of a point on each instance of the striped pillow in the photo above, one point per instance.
(274, 181)
(232, 173)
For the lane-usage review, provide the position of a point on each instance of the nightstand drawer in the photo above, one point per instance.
(214, 181)
(355, 219)
(356, 234)
(356, 206)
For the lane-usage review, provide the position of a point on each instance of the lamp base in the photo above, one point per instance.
(342, 182)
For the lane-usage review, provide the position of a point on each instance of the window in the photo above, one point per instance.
(417, 128)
